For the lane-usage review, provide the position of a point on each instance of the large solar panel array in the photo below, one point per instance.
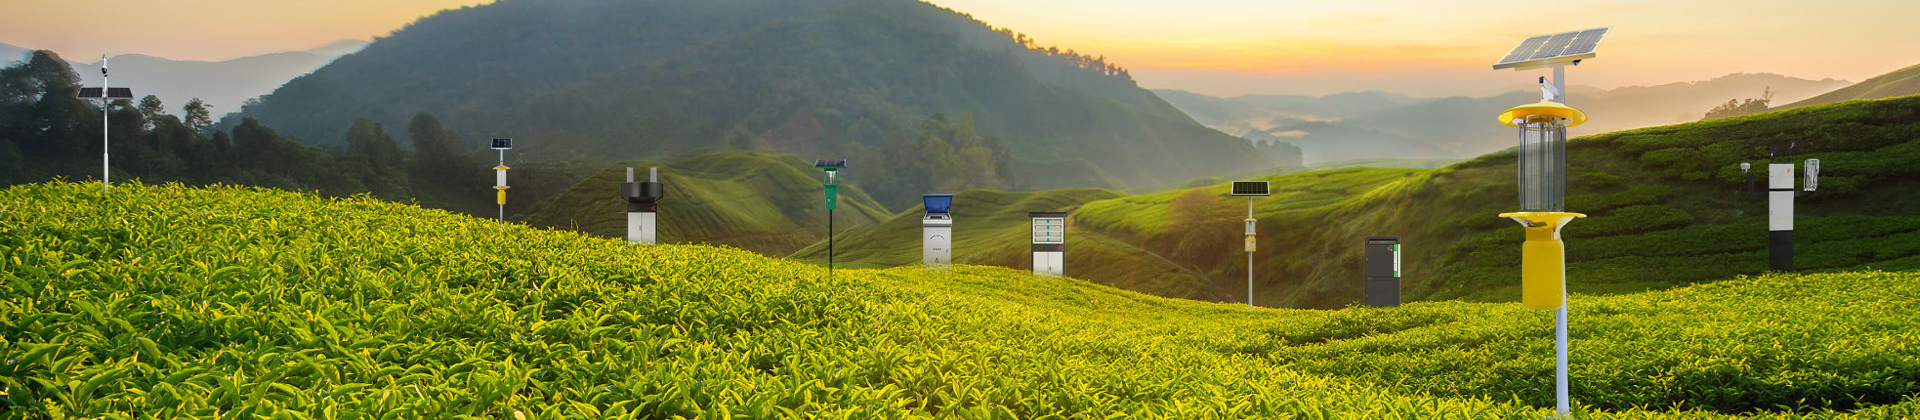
(1250, 188)
(89, 93)
(830, 163)
(119, 93)
(1555, 48)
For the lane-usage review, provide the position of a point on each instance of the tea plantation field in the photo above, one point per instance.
(172, 302)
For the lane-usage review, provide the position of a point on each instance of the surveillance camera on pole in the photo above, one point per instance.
(643, 200)
(106, 95)
(1780, 195)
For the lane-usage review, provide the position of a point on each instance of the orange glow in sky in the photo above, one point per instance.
(1221, 47)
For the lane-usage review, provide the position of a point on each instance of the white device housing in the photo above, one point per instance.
(937, 246)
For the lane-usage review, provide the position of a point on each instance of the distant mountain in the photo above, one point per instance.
(10, 54)
(1902, 82)
(224, 85)
(819, 78)
(1375, 125)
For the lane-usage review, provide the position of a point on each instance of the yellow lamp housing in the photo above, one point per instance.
(1542, 111)
(1543, 258)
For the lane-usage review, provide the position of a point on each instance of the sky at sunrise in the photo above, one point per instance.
(1220, 47)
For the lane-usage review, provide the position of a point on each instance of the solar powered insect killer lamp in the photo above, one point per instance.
(832, 188)
(500, 175)
(1250, 189)
(643, 200)
(936, 249)
(1543, 180)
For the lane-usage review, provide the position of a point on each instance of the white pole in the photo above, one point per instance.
(105, 104)
(1561, 402)
(503, 204)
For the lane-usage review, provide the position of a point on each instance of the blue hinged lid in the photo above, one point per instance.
(938, 203)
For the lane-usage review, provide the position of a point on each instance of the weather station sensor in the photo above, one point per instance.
(500, 176)
(937, 230)
(832, 188)
(106, 95)
(1543, 180)
(1383, 271)
(1250, 189)
(1780, 195)
(1049, 243)
(643, 200)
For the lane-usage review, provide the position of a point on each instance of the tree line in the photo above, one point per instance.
(46, 132)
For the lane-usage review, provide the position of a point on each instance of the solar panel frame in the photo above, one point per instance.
(119, 93)
(1546, 50)
(1251, 189)
(502, 143)
(91, 93)
(830, 163)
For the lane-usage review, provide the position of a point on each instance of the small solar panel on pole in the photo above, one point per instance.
(106, 95)
(1250, 189)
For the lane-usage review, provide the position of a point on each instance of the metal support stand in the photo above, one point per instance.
(1249, 257)
(1561, 401)
(829, 244)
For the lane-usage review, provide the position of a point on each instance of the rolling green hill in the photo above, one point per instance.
(1664, 203)
(1897, 83)
(766, 203)
(992, 228)
(622, 79)
(170, 301)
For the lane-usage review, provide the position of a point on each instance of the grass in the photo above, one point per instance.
(167, 301)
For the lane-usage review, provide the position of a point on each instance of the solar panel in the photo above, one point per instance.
(503, 144)
(1251, 188)
(119, 93)
(830, 163)
(1544, 50)
(89, 93)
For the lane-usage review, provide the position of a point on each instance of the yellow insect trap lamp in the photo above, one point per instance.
(1543, 199)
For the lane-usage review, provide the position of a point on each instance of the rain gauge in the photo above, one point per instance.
(937, 230)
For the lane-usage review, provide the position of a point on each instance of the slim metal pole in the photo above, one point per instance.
(105, 104)
(503, 204)
(1561, 402)
(829, 244)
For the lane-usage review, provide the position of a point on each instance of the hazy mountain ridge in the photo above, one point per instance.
(1382, 125)
(224, 85)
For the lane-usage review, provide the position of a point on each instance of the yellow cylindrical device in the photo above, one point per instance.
(1250, 222)
(502, 196)
(1543, 258)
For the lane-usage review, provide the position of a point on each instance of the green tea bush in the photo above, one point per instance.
(223, 302)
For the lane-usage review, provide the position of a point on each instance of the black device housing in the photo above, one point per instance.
(642, 197)
(1383, 280)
